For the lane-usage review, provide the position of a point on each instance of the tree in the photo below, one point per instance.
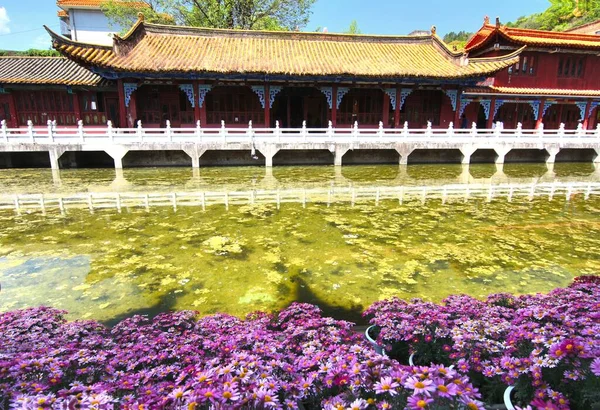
(353, 29)
(237, 14)
(561, 15)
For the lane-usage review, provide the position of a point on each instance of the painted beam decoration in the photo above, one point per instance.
(273, 91)
(129, 89)
(582, 105)
(391, 92)
(260, 91)
(453, 95)
(328, 91)
(535, 106)
(188, 89)
(547, 105)
(485, 103)
(203, 89)
(341, 91)
(405, 92)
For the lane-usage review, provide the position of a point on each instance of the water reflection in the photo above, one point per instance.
(260, 256)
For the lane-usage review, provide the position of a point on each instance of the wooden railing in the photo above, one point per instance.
(462, 192)
(109, 135)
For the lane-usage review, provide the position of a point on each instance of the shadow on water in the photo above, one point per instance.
(166, 303)
(305, 295)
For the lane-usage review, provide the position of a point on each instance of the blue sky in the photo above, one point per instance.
(21, 20)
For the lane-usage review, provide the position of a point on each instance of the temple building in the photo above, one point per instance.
(556, 79)
(156, 73)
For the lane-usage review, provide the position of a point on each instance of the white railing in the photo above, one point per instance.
(109, 135)
(462, 192)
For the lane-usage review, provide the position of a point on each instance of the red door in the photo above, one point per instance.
(5, 111)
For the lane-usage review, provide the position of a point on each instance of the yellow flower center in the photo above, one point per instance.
(268, 399)
(419, 385)
(227, 394)
(472, 406)
(208, 394)
(443, 388)
(421, 404)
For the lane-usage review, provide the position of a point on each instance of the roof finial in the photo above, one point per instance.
(433, 29)
(141, 16)
(498, 22)
(486, 20)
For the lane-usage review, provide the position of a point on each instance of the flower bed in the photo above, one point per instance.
(299, 359)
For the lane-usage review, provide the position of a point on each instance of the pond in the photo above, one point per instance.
(342, 255)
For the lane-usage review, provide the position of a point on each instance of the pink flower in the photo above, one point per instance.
(420, 386)
(386, 385)
(595, 366)
(418, 402)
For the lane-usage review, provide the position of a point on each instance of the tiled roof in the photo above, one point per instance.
(532, 91)
(62, 13)
(533, 38)
(151, 48)
(589, 28)
(68, 4)
(46, 70)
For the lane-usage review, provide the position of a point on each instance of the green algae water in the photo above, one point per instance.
(240, 258)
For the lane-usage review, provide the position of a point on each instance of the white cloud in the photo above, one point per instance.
(4, 20)
(41, 42)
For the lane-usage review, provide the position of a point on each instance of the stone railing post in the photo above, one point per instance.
(250, 132)
(450, 131)
(473, 129)
(4, 131)
(428, 132)
(498, 130)
(304, 132)
(598, 131)
(168, 130)
(80, 131)
(140, 131)
(198, 131)
(580, 130)
(355, 130)
(561, 130)
(541, 130)
(330, 130)
(30, 131)
(50, 131)
(223, 131)
(109, 131)
(519, 132)
(405, 129)
(380, 130)
(277, 131)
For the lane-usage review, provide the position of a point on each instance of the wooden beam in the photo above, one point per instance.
(540, 117)
(585, 114)
(397, 110)
(122, 108)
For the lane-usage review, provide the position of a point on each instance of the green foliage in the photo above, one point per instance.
(236, 14)
(353, 29)
(561, 15)
(461, 36)
(32, 52)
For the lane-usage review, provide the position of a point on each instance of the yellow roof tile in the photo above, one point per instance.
(151, 48)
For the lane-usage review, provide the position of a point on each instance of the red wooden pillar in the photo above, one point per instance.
(267, 107)
(386, 110)
(197, 104)
(12, 106)
(540, 117)
(77, 106)
(586, 114)
(490, 119)
(457, 121)
(334, 105)
(397, 109)
(122, 108)
(560, 113)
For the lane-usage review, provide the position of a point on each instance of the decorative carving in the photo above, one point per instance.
(582, 105)
(547, 105)
(405, 92)
(273, 91)
(341, 91)
(203, 89)
(188, 89)
(535, 106)
(128, 89)
(453, 95)
(260, 91)
(486, 104)
(499, 103)
(593, 105)
(392, 94)
(328, 91)
(463, 104)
